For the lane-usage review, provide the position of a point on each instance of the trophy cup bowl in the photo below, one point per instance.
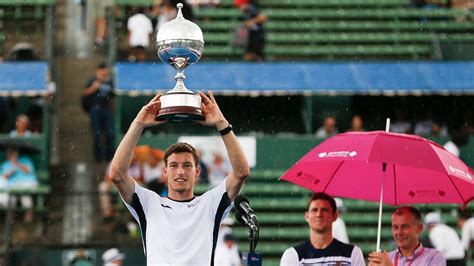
(180, 43)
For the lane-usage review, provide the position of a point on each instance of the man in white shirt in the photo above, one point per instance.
(466, 223)
(339, 230)
(139, 28)
(181, 229)
(445, 239)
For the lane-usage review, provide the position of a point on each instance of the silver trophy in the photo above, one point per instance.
(180, 43)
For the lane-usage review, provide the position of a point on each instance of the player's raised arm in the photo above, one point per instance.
(123, 156)
(240, 167)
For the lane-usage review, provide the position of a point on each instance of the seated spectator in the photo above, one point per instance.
(203, 3)
(400, 123)
(218, 169)
(357, 124)
(459, 138)
(164, 12)
(153, 172)
(431, 127)
(438, 129)
(328, 129)
(239, 3)
(113, 257)
(339, 230)
(37, 105)
(445, 239)
(466, 224)
(106, 188)
(19, 173)
(227, 253)
(204, 174)
(21, 127)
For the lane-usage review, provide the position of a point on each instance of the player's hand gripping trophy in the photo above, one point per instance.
(180, 43)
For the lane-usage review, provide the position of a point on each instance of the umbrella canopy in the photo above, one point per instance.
(22, 145)
(417, 170)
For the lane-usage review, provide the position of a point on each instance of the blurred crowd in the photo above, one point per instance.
(145, 22)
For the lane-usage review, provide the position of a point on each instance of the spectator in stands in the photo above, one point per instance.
(21, 127)
(406, 229)
(438, 129)
(37, 106)
(204, 175)
(357, 124)
(459, 139)
(466, 223)
(322, 247)
(153, 174)
(464, 5)
(218, 169)
(227, 253)
(99, 90)
(204, 3)
(113, 257)
(445, 239)
(401, 123)
(430, 127)
(339, 230)
(328, 129)
(139, 32)
(240, 3)
(101, 22)
(20, 173)
(254, 20)
(165, 12)
(106, 188)
(81, 257)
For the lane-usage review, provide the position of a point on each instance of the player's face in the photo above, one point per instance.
(181, 172)
(320, 216)
(406, 230)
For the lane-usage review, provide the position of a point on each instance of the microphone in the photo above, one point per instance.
(242, 204)
(242, 218)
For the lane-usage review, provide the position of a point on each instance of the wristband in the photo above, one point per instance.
(226, 130)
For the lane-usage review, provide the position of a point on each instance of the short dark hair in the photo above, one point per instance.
(101, 65)
(323, 196)
(179, 148)
(465, 214)
(414, 212)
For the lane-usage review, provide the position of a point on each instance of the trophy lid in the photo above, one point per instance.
(179, 29)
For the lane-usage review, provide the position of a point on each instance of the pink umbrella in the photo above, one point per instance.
(384, 167)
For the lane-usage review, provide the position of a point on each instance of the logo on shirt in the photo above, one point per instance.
(193, 205)
(165, 206)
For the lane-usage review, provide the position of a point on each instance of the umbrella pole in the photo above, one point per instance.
(379, 226)
(384, 167)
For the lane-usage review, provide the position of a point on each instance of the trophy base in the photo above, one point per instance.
(180, 115)
(180, 108)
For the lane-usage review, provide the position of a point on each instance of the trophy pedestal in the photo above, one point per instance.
(180, 108)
